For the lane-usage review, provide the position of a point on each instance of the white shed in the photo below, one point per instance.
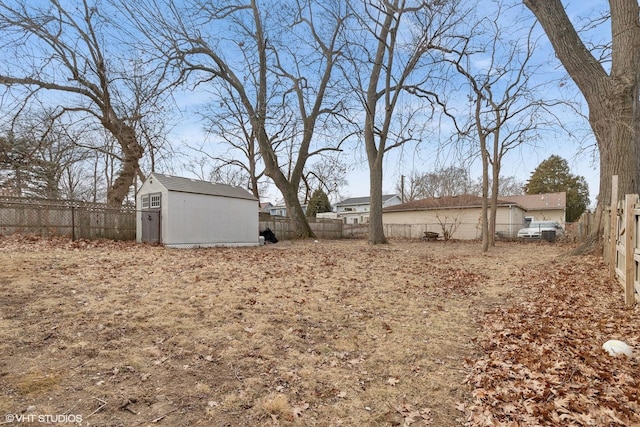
(184, 212)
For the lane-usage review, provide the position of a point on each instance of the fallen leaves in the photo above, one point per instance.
(411, 415)
(543, 363)
(335, 334)
(392, 381)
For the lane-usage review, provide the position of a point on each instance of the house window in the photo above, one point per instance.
(155, 201)
(145, 201)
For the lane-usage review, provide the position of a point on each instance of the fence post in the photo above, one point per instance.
(630, 249)
(613, 227)
(73, 223)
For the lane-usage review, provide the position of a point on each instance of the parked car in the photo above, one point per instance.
(549, 230)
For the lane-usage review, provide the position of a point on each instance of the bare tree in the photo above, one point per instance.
(210, 168)
(226, 119)
(508, 108)
(453, 181)
(448, 181)
(69, 50)
(327, 174)
(448, 224)
(612, 96)
(277, 63)
(37, 154)
(389, 73)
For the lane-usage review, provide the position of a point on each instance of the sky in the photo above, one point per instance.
(579, 151)
(187, 130)
(520, 163)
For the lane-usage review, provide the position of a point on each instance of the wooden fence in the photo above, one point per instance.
(77, 220)
(281, 227)
(623, 249)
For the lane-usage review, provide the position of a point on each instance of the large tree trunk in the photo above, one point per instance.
(294, 211)
(288, 188)
(132, 152)
(612, 98)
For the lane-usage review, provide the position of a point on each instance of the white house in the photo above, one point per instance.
(355, 210)
(281, 210)
(184, 212)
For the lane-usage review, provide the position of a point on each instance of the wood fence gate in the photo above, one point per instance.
(624, 248)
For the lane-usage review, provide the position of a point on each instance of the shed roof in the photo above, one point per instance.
(541, 201)
(449, 202)
(188, 185)
(363, 200)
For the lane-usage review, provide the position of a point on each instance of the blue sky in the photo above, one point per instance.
(578, 151)
(425, 157)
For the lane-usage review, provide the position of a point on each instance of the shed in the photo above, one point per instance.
(184, 212)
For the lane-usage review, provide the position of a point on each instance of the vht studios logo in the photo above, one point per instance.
(49, 419)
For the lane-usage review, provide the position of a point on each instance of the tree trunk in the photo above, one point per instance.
(484, 155)
(289, 191)
(132, 152)
(612, 99)
(495, 184)
(485, 194)
(376, 227)
(296, 214)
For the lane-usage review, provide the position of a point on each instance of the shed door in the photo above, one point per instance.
(151, 218)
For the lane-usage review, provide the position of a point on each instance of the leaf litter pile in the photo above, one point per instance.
(543, 362)
(308, 333)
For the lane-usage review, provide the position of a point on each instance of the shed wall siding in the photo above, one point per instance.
(203, 220)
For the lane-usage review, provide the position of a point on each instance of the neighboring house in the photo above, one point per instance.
(459, 216)
(542, 207)
(265, 207)
(355, 210)
(281, 210)
(183, 212)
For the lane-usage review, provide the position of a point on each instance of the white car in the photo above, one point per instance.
(549, 230)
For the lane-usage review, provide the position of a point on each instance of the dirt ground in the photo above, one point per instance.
(326, 333)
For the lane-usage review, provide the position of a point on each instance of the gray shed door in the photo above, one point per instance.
(151, 218)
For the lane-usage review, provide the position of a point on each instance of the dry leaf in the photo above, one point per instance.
(297, 410)
(392, 381)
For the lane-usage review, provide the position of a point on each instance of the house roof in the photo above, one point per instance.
(364, 200)
(449, 202)
(188, 185)
(540, 201)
